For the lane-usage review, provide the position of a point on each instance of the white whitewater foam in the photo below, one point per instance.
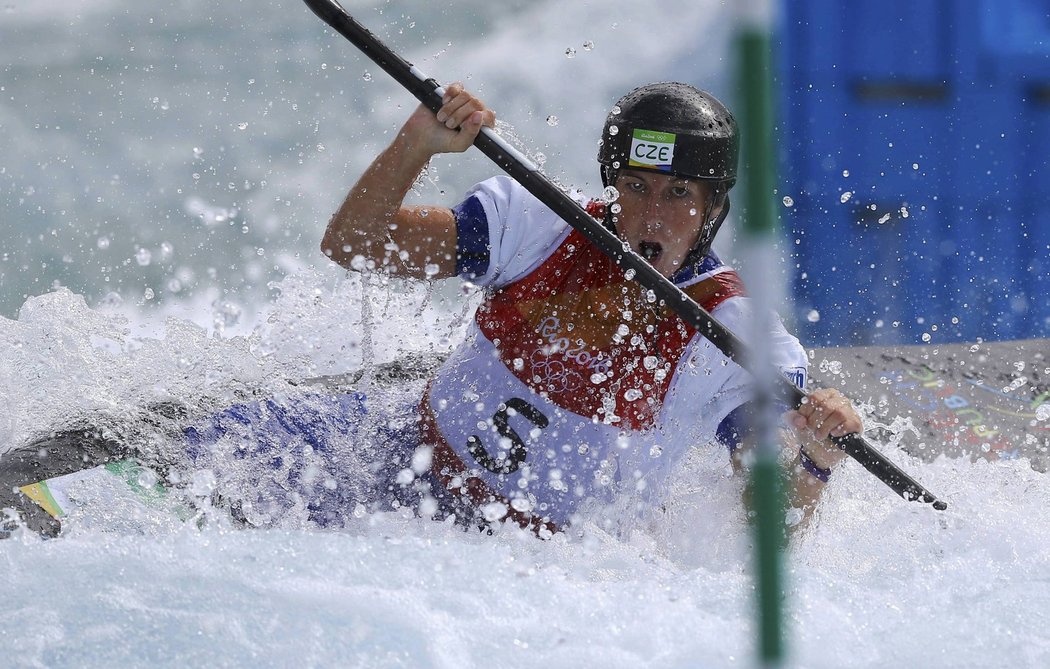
(873, 582)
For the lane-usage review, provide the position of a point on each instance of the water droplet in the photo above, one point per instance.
(225, 314)
(613, 130)
(788, 202)
(610, 194)
(884, 218)
(102, 243)
(405, 476)
(552, 120)
(111, 300)
(243, 125)
(1042, 412)
(833, 366)
(615, 109)
(1017, 383)
(632, 395)
(844, 198)
(915, 166)
(813, 316)
(570, 52)
(143, 257)
(615, 208)
(629, 274)
(148, 294)
(845, 173)
(904, 212)
(367, 76)
(597, 378)
(650, 361)
(926, 337)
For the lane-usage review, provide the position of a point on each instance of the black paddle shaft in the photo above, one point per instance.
(522, 170)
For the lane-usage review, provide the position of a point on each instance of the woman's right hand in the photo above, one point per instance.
(454, 127)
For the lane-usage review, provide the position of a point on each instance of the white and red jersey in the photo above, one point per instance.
(573, 383)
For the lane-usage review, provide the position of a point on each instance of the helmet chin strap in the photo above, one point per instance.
(709, 230)
(609, 177)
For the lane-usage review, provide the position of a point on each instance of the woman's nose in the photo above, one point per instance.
(652, 203)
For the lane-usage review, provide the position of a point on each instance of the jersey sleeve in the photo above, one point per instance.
(717, 390)
(503, 232)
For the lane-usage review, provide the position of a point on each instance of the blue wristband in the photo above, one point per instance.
(812, 468)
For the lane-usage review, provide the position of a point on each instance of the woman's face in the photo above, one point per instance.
(660, 216)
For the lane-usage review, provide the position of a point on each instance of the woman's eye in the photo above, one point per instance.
(679, 191)
(636, 186)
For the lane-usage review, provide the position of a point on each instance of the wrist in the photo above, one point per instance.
(821, 473)
(409, 151)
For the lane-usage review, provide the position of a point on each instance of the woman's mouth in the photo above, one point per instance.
(650, 250)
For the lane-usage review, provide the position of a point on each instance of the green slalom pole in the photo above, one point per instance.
(759, 230)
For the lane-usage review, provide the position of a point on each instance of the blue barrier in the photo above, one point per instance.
(914, 142)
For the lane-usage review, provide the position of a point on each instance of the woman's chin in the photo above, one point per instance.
(666, 267)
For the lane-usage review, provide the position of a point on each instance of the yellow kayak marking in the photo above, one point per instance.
(39, 493)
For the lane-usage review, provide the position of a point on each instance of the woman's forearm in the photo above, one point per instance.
(370, 212)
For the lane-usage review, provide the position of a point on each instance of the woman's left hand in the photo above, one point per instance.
(825, 413)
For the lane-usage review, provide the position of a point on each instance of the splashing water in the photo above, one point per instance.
(858, 575)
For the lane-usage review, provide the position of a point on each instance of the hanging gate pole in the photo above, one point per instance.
(759, 228)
